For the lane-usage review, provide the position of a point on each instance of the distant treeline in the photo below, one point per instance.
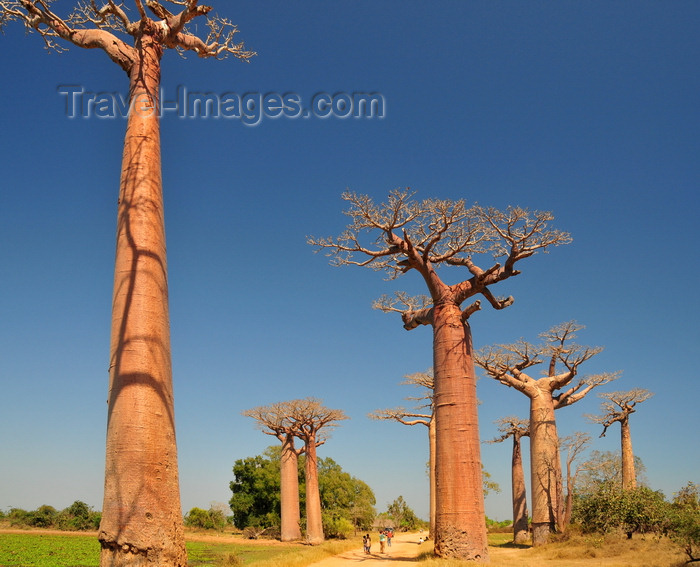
(78, 516)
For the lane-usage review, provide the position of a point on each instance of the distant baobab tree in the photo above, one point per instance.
(618, 409)
(517, 429)
(507, 363)
(401, 235)
(574, 445)
(417, 417)
(141, 514)
(311, 421)
(275, 420)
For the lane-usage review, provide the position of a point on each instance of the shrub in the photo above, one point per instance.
(340, 528)
(685, 520)
(611, 508)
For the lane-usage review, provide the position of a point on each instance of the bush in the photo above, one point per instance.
(611, 508)
(685, 520)
(340, 528)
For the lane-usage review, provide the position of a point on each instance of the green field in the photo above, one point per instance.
(32, 549)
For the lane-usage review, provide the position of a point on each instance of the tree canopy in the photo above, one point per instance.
(346, 501)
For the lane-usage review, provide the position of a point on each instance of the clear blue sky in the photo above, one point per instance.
(591, 110)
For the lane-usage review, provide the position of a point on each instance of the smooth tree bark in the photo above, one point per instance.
(403, 235)
(312, 422)
(574, 445)
(618, 408)
(275, 420)
(141, 515)
(507, 363)
(516, 428)
(415, 417)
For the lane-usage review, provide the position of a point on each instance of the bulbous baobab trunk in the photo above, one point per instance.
(629, 476)
(545, 468)
(520, 527)
(289, 492)
(141, 515)
(314, 521)
(460, 528)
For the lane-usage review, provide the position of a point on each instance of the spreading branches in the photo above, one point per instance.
(312, 421)
(619, 406)
(402, 415)
(94, 24)
(425, 381)
(511, 426)
(507, 364)
(404, 234)
(274, 419)
(414, 310)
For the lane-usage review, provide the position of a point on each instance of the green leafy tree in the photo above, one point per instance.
(685, 520)
(212, 519)
(256, 490)
(404, 517)
(347, 503)
(79, 516)
(42, 517)
(610, 508)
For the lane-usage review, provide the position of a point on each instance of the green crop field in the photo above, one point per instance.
(33, 549)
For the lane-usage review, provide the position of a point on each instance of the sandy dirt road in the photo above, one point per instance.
(403, 547)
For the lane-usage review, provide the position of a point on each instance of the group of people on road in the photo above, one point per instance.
(385, 537)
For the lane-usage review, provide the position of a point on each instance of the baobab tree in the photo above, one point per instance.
(574, 445)
(516, 428)
(417, 417)
(507, 363)
(401, 235)
(311, 421)
(618, 409)
(141, 514)
(275, 420)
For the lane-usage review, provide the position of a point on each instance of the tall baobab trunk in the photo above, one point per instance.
(460, 530)
(289, 492)
(629, 476)
(141, 516)
(431, 438)
(520, 520)
(314, 521)
(544, 455)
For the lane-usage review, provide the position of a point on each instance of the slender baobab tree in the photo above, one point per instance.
(574, 445)
(618, 407)
(275, 420)
(416, 417)
(507, 364)
(517, 429)
(141, 514)
(402, 235)
(311, 421)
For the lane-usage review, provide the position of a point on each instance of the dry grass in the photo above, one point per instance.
(578, 551)
(309, 554)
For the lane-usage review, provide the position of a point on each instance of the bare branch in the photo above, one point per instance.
(619, 406)
(511, 426)
(401, 415)
(403, 234)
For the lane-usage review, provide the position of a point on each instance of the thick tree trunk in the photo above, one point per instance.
(629, 476)
(520, 520)
(289, 492)
(314, 521)
(141, 515)
(431, 441)
(544, 472)
(460, 528)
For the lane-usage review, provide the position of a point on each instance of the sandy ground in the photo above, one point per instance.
(403, 547)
